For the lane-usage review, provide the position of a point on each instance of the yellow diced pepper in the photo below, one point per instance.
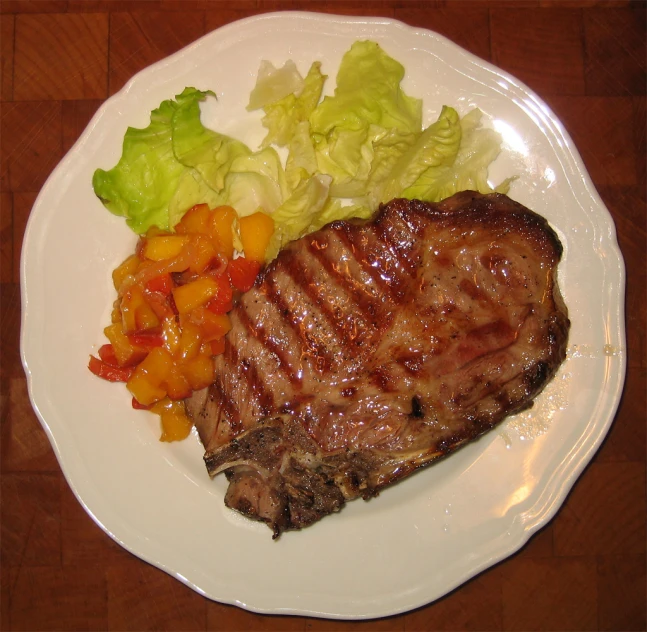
(204, 254)
(171, 333)
(195, 220)
(255, 232)
(211, 325)
(124, 270)
(136, 313)
(190, 341)
(194, 294)
(222, 229)
(127, 354)
(199, 371)
(175, 424)
(164, 247)
(143, 390)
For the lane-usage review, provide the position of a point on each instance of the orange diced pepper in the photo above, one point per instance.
(164, 247)
(217, 346)
(195, 220)
(211, 325)
(127, 268)
(199, 371)
(171, 333)
(143, 390)
(205, 253)
(175, 423)
(255, 232)
(194, 294)
(190, 341)
(136, 313)
(177, 386)
(222, 229)
(148, 380)
(127, 354)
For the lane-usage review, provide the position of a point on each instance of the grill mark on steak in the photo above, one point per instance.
(461, 323)
(310, 347)
(363, 309)
(358, 243)
(228, 409)
(257, 331)
(399, 248)
(326, 303)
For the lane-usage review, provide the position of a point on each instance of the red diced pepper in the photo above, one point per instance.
(108, 372)
(242, 273)
(137, 406)
(108, 355)
(162, 284)
(222, 303)
(146, 339)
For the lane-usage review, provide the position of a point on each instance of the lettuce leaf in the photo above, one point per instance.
(346, 153)
(479, 147)
(177, 162)
(273, 84)
(283, 116)
(435, 149)
(148, 173)
(368, 104)
(297, 213)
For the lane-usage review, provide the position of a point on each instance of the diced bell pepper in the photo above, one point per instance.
(127, 354)
(194, 294)
(256, 231)
(164, 247)
(204, 254)
(162, 284)
(199, 371)
(125, 269)
(175, 423)
(136, 313)
(222, 229)
(242, 273)
(211, 325)
(109, 372)
(195, 220)
(222, 302)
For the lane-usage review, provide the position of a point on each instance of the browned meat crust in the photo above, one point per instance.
(367, 350)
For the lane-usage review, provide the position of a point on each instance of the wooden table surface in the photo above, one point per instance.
(62, 58)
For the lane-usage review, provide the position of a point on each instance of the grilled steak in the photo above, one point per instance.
(367, 350)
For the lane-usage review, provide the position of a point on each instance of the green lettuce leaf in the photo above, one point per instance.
(479, 147)
(368, 104)
(335, 210)
(299, 211)
(283, 116)
(435, 149)
(273, 84)
(148, 173)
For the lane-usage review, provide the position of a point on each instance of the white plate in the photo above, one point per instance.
(426, 535)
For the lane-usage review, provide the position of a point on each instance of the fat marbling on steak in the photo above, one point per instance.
(367, 350)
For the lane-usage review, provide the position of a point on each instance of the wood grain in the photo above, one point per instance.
(60, 59)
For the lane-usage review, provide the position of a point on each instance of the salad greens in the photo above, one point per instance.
(346, 153)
